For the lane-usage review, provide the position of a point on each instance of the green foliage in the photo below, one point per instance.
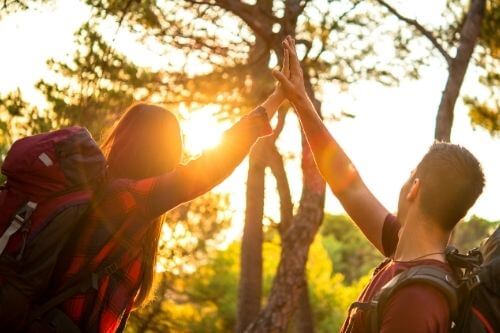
(350, 252)
(206, 300)
(8, 7)
(483, 115)
(96, 85)
(190, 235)
(330, 292)
(17, 119)
(485, 112)
(469, 234)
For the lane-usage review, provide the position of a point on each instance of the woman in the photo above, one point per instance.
(145, 181)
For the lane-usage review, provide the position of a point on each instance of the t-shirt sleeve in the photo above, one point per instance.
(390, 237)
(416, 309)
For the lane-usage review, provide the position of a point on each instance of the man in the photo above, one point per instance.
(438, 193)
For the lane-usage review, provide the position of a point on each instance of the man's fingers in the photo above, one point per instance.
(294, 65)
(289, 48)
(291, 43)
(294, 61)
(286, 63)
(286, 43)
(285, 60)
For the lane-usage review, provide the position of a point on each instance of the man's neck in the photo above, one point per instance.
(420, 239)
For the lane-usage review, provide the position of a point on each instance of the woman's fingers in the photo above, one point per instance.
(285, 82)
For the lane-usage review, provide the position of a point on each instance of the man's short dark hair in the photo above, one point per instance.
(451, 180)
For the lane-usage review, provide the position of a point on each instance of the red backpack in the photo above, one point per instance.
(50, 180)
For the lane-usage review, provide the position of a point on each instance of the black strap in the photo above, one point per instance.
(83, 282)
(82, 285)
(355, 305)
(431, 275)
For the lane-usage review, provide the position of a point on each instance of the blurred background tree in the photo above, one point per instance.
(484, 111)
(191, 234)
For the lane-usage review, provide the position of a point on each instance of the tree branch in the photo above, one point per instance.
(426, 33)
(275, 163)
(250, 14)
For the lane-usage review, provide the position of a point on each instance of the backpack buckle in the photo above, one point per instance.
(473, 282)
(109, 270)
(18, 220)
(94, 282)
(21, 218)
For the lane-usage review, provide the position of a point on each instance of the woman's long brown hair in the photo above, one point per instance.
(145, 142)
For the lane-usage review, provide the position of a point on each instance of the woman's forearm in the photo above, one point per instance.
(272, 104)
(198, 176)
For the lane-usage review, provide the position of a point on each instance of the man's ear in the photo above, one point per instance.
(414, 189)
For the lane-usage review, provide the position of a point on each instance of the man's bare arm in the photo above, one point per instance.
(334, 165)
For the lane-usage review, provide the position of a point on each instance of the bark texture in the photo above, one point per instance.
(250, 285)
(457, 69)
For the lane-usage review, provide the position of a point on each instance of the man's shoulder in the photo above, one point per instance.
(434, 269)
(418, 294)
(392, 268)
(419, 306)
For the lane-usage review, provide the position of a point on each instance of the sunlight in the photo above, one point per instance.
(201, 129)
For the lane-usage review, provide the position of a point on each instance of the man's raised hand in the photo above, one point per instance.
(293, 84)
(285, 71)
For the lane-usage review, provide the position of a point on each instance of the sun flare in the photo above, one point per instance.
(201, 130)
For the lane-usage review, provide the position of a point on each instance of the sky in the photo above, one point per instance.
(392, 129)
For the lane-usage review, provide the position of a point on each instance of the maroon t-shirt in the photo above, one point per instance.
(416, 308)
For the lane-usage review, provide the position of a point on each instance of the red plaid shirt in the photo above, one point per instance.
(124, 213)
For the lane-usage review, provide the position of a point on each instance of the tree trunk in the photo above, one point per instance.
(457, 69)
(304, 320)
(250, 283)
(250, 286)
(290, 277)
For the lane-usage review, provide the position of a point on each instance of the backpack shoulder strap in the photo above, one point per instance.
(431, 275)
(21, 217)
(83, 283)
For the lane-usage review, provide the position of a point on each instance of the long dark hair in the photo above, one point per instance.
(145, 142)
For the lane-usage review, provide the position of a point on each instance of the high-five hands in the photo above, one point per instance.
(285, 72)
(292, 85)
(290, 82)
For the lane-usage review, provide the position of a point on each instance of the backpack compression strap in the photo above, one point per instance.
(22, 216)
(425, 274)
(81, 283)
